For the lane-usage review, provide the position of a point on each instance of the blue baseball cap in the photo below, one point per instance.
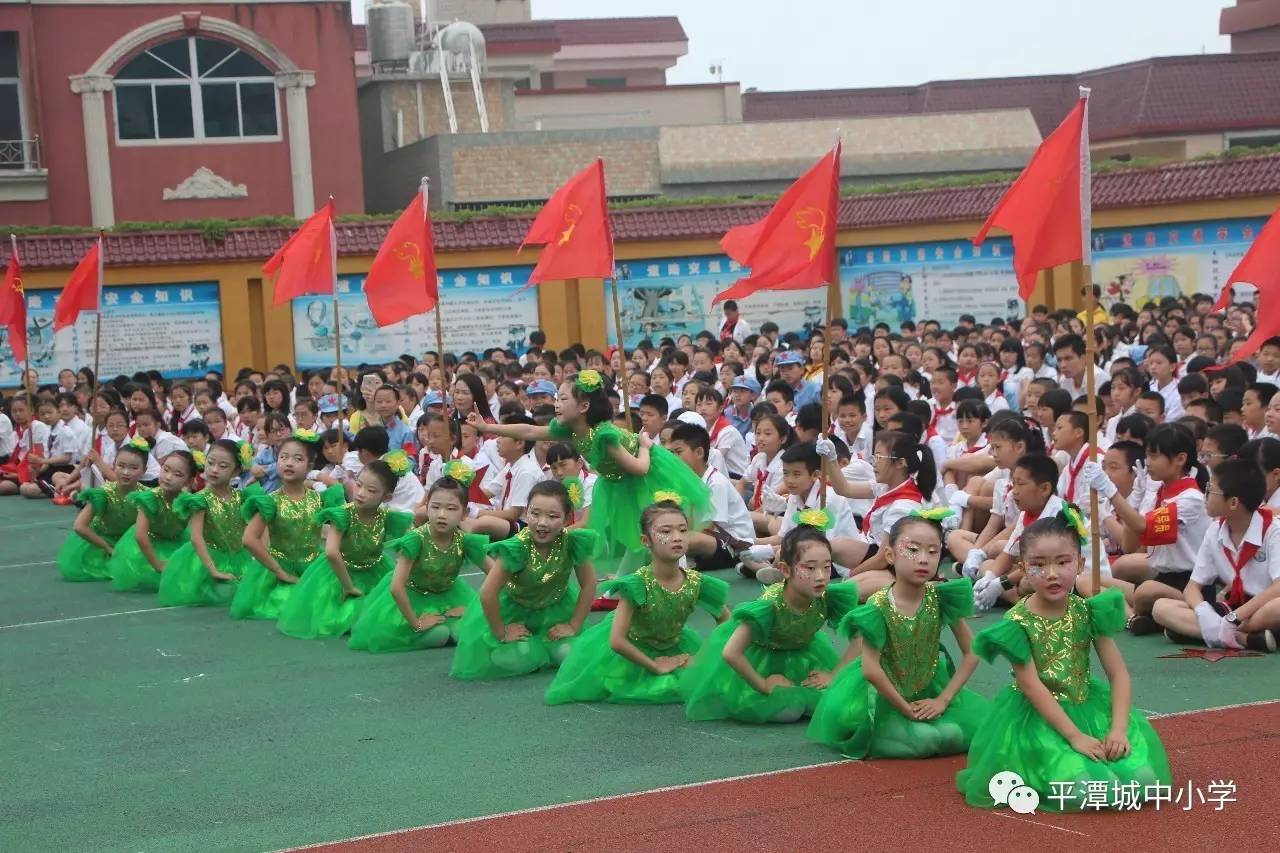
(541, 386)
(746, 383)
(788, 357)
(331, 404)
(432, 398)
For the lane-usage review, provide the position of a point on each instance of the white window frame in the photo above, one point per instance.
(194, 84)
(22, 97)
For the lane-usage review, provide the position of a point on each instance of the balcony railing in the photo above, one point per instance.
(20, 154)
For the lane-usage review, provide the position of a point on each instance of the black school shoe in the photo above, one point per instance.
(1182, 639)
(1260, 641)
(1141, 625)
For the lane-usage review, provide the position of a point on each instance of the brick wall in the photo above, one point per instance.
(529, 170)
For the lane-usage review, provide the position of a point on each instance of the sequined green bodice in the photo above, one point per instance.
(117, 516)
(910, 653)
(435, 569)
(295, 532)
(791, 630)
(362, 543)
(543, 581)
(166, 524)
(1059, 647)
(658, 622)
(223, 525)
(593, 447)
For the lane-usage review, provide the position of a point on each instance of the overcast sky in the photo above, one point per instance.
(821, 44)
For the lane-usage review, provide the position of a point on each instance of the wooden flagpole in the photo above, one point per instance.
(26, 366)
(97, 326)
(624, 391)
(337, 341)
(446, 387)
(1082, 281)
(833, 304)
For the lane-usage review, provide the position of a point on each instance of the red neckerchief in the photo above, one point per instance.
(718, 427)
(938, 413)
(1235, 595)
(973, 449)
(1169, 492)
(20, 433)
(907, 490)
(1073, 471)
(966, 377)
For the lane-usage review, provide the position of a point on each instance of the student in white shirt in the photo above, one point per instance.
(31, 437)
(1253, 409)
(1126, 385)
(1241, 555)
(724, 436)
(163, 443)
(1160, 363)
(368, 445)
(566, 465)
(69, 442)
(1269, 362)
(8, 440)
(508, 486)
(764, 475)
(1171, 524)
(730, 531)
(1070, 352)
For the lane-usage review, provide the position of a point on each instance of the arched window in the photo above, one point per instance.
(195, 89)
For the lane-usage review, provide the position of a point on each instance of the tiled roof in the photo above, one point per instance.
(360, 36)
(1154, 96)
(526, 37)
(618, 30)
(1179, 182)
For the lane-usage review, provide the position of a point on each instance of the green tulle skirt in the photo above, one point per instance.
(616, 504)
(713, 691)
(130, 571)
(381, 627)
(1016, 738)
(317, 608)
(260, 594)
(594, 672)
(480, 655)
(80, 560)
(853, 718)
(186, 582)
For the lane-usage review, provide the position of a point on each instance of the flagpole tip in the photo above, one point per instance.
(1085, 91)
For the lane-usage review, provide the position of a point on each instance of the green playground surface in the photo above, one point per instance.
(128, 727)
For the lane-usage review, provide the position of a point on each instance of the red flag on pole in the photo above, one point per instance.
(1260, 267)
(83, 291)
(574, 228)
(1047, 209)
(793, 246)
(308, 261)
(402, 280)
(13, 306)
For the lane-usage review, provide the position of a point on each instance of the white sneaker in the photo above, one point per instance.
(758, 553)
(769, 575)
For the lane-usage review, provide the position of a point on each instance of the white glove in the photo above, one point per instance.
(1227, 634)
(948, 490)
(959, 500)
(1210, 624)
(826, 448)
(1141, 485)
(986, 591)
(973, 563)
(1097, 479)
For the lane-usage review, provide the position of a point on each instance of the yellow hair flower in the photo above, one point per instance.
(460, 472)
(664, 496)
(818, 518)
(577, 492)
(306, 436)
(139, 443)
(937, 514)
(1071, 516)
(244, 450)
(589, 381)
(398, 461)
(198, 457)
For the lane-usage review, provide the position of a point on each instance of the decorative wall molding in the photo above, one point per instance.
(203, 184)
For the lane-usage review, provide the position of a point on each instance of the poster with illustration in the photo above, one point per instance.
(483, 307)
(1136, 265)
(173, 328)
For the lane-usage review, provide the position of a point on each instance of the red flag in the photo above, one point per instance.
(13, 307)
(402, 280)
(1046, 210)
(83, 291)
(308, 261)
(793, 246)
(1260, 266)
(574, 227)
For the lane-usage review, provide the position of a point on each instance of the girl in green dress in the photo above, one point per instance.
(106, 516)
(529, 608)
(903, 698)
(1059, 728)
(630, 468)
(770, 662)
(418, 605)
(142, 552)
(329, 596)
(283, 531)
(206, 569)
(640, 651)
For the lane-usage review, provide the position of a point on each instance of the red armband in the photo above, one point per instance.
(1162, 526)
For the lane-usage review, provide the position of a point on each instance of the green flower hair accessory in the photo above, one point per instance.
(577, 492)
(1071, 516)
(589, 381)
(138, 443)
(936, 515)
(306, 436)
(460, 472)
(398, 461)
(663, 496)
(198, 457)
(820, 519)
(244, 452)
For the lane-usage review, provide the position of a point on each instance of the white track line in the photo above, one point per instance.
(24, 565)
(67, 524)
(1038, 823)
(1191, 711)
(538, 809)
(82, 618)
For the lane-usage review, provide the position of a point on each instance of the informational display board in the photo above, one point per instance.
(1136, 265)
(173, 328)
(483, 308)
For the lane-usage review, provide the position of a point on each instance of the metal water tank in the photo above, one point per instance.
(391, 32)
